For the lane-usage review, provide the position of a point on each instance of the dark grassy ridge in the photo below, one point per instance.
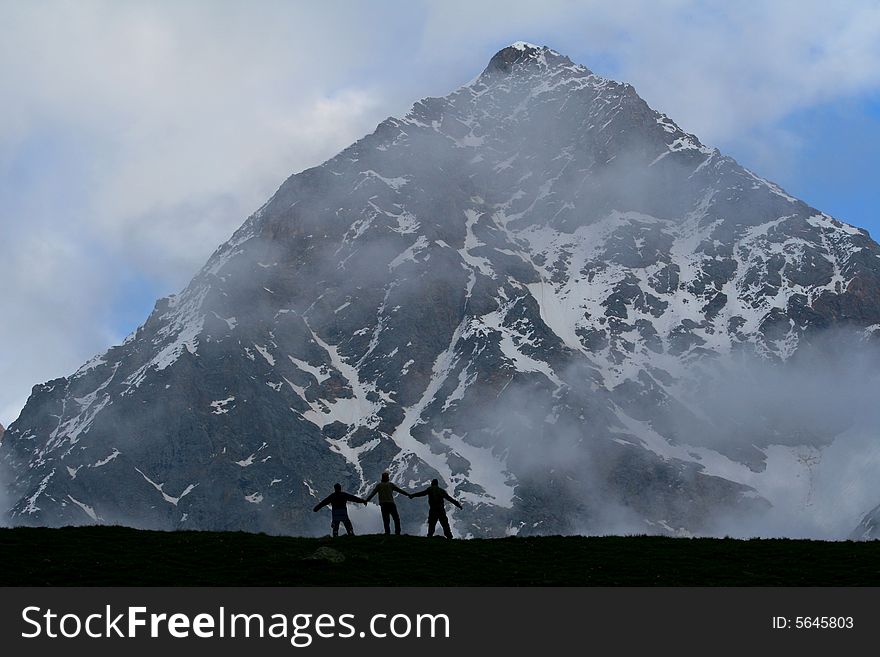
(118, 556)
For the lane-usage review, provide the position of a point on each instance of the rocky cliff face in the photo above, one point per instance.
(519, 288)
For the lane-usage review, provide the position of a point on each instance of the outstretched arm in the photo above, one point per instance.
(400, 490)
(454, 501)
(355, 498)
(420, 493)
(322, 503)
(370, 496)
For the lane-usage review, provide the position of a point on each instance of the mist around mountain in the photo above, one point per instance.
(538, 290)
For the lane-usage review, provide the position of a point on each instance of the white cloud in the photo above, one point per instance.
(181, 110)
(167, 125)
(723, 73)
(53, 312)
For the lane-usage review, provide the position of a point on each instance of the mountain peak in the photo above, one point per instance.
(521, 289)
(525, 45)
(525, 55)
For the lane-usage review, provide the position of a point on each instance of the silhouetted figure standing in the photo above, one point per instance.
(437, 507)
(338, 502)
(385, 489)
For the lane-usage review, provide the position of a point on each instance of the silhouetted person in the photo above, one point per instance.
(437, 507)
(385, 489)
(338, 502)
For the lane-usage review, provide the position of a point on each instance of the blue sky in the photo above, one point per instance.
(135, 137)
(835, 166)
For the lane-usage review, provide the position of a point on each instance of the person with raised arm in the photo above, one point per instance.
(385, 489)
(338, 502)
(437, 498)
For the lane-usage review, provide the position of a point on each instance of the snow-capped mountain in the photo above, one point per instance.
(522, 288)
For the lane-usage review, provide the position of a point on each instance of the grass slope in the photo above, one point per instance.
(119, 556)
